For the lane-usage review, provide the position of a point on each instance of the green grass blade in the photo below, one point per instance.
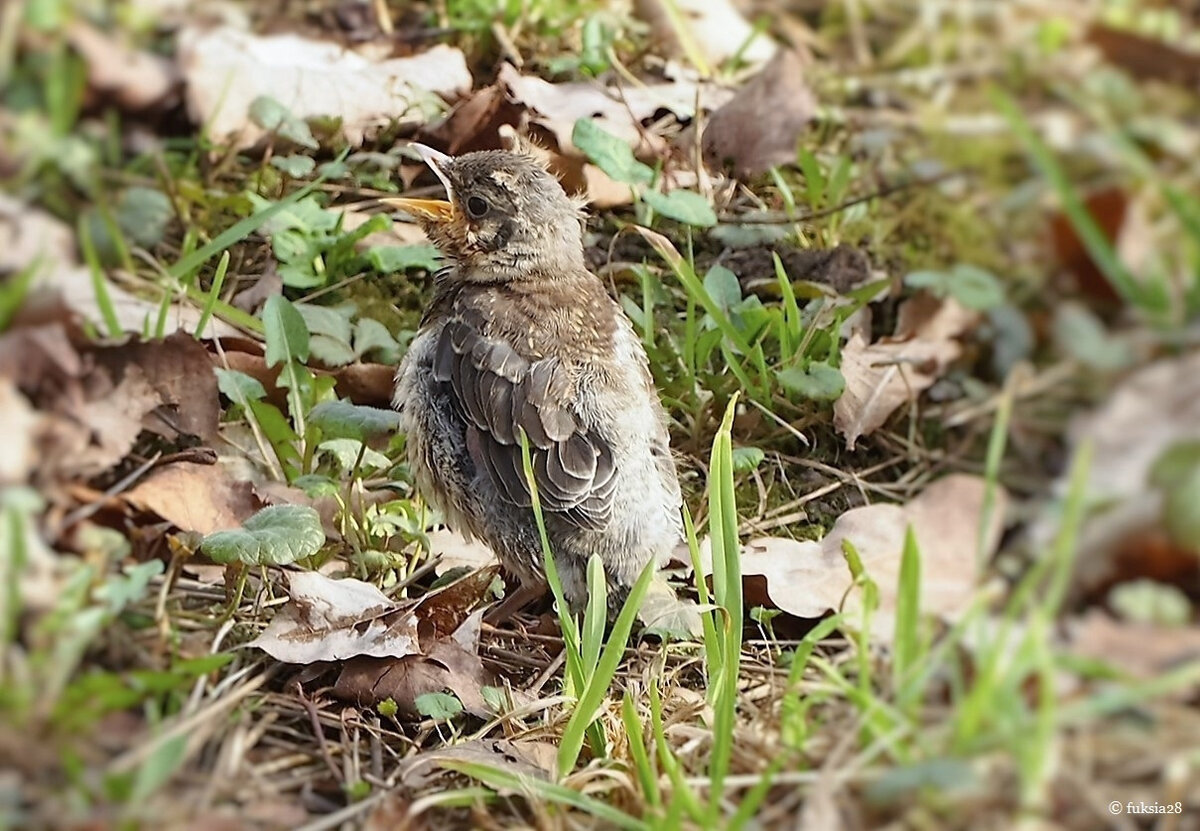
(99, 282)
(642, 766)
(599, 681)
(540, 789)
(595, 615)
(214, 293)
(906, 644)
(727, 590)
(1090, 235)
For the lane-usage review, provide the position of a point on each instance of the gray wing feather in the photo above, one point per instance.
(499, 393)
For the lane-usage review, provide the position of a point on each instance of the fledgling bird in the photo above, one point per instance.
(521, 336)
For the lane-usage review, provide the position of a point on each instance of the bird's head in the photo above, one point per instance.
(506, 217)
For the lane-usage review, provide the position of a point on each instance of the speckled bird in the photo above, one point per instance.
(521, 336)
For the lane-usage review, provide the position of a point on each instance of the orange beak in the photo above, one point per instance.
(435, 210)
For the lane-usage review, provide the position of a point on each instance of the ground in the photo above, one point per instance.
(919, 285)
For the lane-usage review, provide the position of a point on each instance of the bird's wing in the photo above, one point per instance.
(500, 393)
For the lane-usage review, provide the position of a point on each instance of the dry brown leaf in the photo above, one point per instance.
(1146, 57)
(1143, 650)
(334, 620)
(715, 28)
(179, 369)
(476, 122)
(760, 127)
(196, 497)
(526, 758)
(621, 112)
(808, 579)
(226, 69)
(21, 423)
(1149, 411)
(448, 664)
(452, 550)
(884, 375)
(136, 80)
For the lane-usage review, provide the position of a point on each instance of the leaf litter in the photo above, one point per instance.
(142, 422)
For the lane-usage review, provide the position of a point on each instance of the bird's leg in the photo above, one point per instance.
(514, 602)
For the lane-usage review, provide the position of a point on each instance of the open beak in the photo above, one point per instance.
(436, 210)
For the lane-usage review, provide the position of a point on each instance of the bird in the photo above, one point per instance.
(520, 337)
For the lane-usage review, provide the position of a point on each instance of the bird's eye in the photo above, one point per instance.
(477, 207)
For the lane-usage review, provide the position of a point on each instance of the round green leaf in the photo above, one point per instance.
(276, 535)
(819, 381)
(684, 206)
(438, 705)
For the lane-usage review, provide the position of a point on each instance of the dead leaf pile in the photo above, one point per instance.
(389, 649)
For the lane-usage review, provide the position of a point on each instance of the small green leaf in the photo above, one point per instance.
(327, 320)
(819, 381)
(286, 332)
(438, 705)
(316, 485)
(723, 287)
(239, 387)
(609, 153)
(276, 535)
(349, 451)
(970, 285)
(387, 708)
(389, 259)
(1176, 464)
(684, 206)
(1181, 512)
(294, 166)
(272, 115)
(747, 458)
(142, 215)
(1080, 334)
(330, 351)
(495, 698)
(372, 336)
(343, 420)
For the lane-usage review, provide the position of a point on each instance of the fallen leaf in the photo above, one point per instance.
(443, 612)
(474, 124)
(1124, 537)
(449, 664)
(227, 69)
(1142, 650)
(136, 80)
(882, 376)
(808, 578)
(452, 550)
(712, 30)
(526, 758)
(760, 127)
(620, 112)
(1146, 57)
(335, 620)
(196, 497)
(1123, 220)
(179, 369)
(18, 451)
